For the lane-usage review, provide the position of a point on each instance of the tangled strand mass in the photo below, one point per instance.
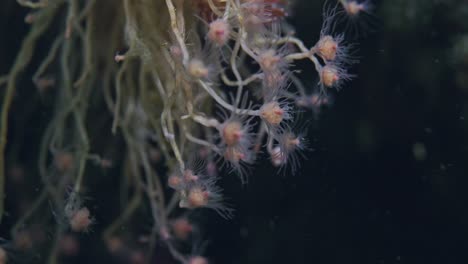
(195, 88)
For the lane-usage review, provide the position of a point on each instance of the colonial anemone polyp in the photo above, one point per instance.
(329, 76)
(353, 8)
(269, 60)
(327, 48)
(81, 220)
(232, 133)
(219, 31)
(198, 69)
(182, 228)
(272, 113)
(175, 182)
(197, 197)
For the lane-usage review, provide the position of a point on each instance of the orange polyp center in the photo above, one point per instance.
(80, 220)
(232, 133)
(219, 32)
(272, 113)
(197, 69)
(327, 48)
(182, 228)
(353, 8)
(329, 76)
(174, 181)
(269, 60)
(197, 197)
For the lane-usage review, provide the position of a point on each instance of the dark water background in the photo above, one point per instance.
(364, 194)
